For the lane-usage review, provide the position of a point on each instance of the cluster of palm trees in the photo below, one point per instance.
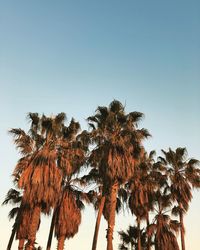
(159, 192)
(120, 173)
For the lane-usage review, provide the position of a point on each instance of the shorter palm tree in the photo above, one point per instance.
(129, 238)
(14, 197)
(93, 178)
(140, 189)
(68, 217)
(22, 215)
(68, 211)
(163, 228)
(184, 175)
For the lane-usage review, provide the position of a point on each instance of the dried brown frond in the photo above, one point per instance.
(69, 216)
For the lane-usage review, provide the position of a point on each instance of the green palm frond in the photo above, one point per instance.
(34, 119)
(176, 210)
(13, 213)
(122, 247)
(136, 116)
(92, 119)
(174, 225)
(193, 162)
(80, 204)
(152, 154)
(116, 106)
(180, 153)
(103, 111)
(60, 118)
(13, 196)
(151, 229)
(123, 195)
(73, 127)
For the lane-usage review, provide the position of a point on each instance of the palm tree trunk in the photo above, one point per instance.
(182, 231)
(21, 244)
(12, 237)
(61, 241)
(51, 230)
(35, 219)
(111, 219)
(15, 227)
(98, 220)
(148, 237)
(139, 235)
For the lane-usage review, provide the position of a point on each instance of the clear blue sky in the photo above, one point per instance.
(74, 55)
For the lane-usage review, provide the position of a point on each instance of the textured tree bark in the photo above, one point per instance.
(21, 244)
(111, 219)
(51, 230)
(139, 235)
(95, 237)
(33, 227)
(61, 241)
(182, 231)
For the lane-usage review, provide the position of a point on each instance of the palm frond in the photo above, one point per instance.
(13, 196)
(116, 106)
(13, 213)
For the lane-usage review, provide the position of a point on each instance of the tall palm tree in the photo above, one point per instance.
(37, 172)
(184, 175)
(100, 200)
(117, 143)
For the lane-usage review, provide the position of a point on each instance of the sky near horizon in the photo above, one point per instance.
(71, 56)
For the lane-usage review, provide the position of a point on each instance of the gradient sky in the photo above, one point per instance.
(71, 56)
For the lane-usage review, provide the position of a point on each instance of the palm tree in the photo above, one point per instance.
(100, 200)
(184, 175)
(141, 188)
(14, 197)
(129, 238)
(163, 228)
(37, 172)
(73, 148)
(93, 178)
(117, 143)
(67, 212)
(22, 214)
(136, 206)
(68, 217)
